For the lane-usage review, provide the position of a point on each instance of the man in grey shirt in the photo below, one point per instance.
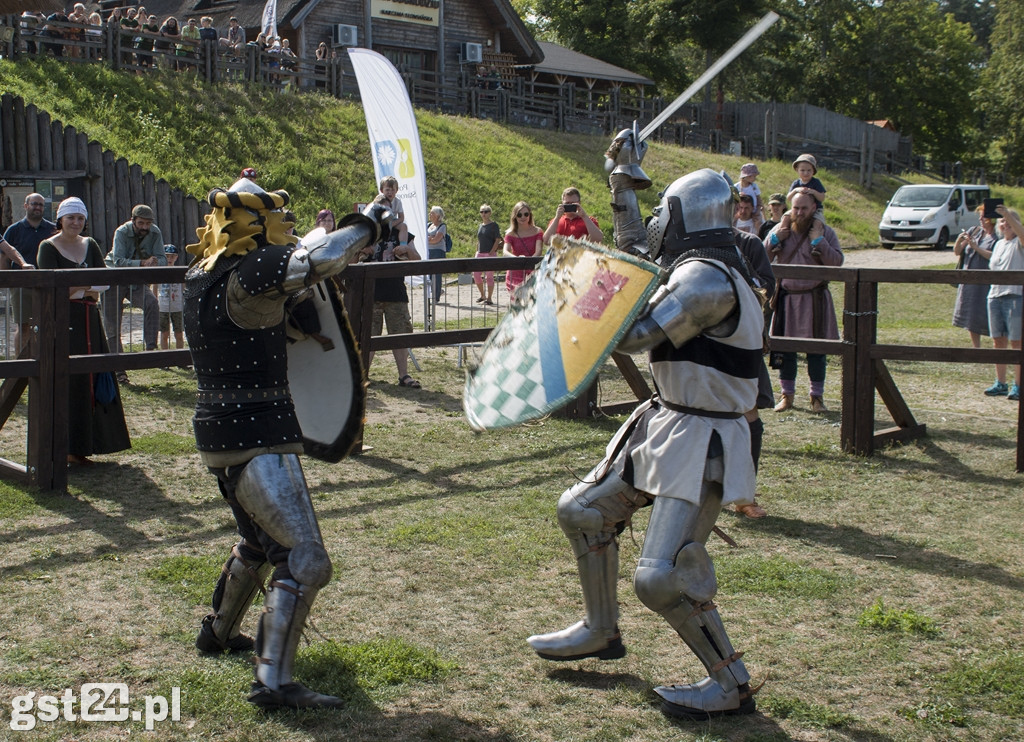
(137, 242)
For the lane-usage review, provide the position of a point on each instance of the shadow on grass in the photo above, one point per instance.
(439, 399)
(757, 726)
(939, 459)
(900, 554)
(407, 727)
(599, 680)
(138, 498)
(168, 388)
(438, 478)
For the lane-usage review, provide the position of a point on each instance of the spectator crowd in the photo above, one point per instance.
(148, 41)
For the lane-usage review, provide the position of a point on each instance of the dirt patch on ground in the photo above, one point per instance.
(904, 258)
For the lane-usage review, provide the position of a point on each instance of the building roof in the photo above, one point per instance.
(249, 14)
(558, 60)
(508, 23)
(884, 123)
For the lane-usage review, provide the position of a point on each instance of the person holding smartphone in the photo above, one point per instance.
(1005, 300)
(971, 308)
(572, 221)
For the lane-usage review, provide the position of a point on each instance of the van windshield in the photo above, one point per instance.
(920, 197)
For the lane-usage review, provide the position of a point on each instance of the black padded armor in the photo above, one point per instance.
(243, 401)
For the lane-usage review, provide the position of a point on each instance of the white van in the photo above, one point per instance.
(930, 214)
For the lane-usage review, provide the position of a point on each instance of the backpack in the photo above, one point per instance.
(447, 240)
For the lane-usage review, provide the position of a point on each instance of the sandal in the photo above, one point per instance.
(410, 382)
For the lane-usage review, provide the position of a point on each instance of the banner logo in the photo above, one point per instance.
(396, 158)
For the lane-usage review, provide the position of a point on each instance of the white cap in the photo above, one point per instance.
(72, 205)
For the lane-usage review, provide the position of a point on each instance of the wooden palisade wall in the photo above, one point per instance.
(34, 146)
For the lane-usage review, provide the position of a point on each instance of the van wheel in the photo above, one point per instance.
(888, 245)
(940, 244)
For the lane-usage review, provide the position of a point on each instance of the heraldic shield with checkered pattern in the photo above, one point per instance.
(564, 323)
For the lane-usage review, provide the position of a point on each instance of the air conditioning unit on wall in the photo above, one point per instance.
(342, 35)
(472, 53)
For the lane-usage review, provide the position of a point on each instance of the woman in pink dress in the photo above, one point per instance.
(522, 239)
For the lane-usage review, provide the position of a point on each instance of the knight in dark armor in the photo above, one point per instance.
(246, 272)
(684, 453)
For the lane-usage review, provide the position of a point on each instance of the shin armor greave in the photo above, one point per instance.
(239, 582)
(284, 616)
(281, 623)
(678, 582)
(592, 515)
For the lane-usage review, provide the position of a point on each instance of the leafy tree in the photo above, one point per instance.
(902, 60)
(912, 61)
(593, 27)
(980, 15)
(1004, 83)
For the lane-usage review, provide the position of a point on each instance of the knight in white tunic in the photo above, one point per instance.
(685, 453)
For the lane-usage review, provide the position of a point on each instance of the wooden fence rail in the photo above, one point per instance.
(863, 358)
(46, 370)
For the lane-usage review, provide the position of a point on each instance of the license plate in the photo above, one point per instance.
(902, 234)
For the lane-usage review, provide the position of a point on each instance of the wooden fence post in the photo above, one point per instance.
(20, 159)
(58, 146)
(32, 137)
(110, 204)
(39, 462)
(864, 374)
(45, 139)
(848, 414)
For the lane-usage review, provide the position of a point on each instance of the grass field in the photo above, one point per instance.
(879, 601)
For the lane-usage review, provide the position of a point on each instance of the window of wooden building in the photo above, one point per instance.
(409, 60)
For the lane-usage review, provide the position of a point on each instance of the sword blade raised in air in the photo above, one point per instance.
(748, 38)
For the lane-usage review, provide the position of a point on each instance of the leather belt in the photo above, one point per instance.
(696, 411)
(241, 396)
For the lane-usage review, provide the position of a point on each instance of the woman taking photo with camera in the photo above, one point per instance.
(971, 309)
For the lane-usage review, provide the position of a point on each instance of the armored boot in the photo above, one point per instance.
(598, 634)
(284, 614)
(239, 582)
(726, 690)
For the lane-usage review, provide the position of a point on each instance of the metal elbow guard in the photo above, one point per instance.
(643, 335)
(328, 253)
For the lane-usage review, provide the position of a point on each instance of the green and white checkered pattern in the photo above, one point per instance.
(503, 392)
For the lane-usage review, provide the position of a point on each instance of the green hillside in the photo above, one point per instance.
(198, 136)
